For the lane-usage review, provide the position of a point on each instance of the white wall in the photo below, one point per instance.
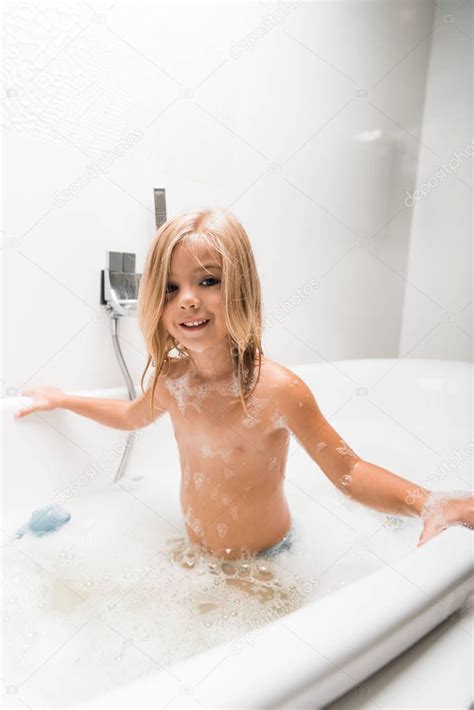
(437, 314)
(308, 129)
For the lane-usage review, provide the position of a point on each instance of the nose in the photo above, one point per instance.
(189, 300)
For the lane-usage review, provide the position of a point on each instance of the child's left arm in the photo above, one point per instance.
(366, 482)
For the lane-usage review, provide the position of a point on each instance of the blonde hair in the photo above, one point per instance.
(241, 295)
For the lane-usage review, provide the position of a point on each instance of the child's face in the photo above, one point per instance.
(193, 294)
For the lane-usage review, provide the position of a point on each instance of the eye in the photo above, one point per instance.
(171, 287)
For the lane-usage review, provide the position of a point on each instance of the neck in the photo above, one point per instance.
(213, 364)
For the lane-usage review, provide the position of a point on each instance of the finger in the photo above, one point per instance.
(428, 531)
(421, 539)
(21, 413)
(25, 410)
(428, 537)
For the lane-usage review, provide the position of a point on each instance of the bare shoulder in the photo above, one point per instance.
(275, 375)
(141, 411)
(284, 384)
(172, 369)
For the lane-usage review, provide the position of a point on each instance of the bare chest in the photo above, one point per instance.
(219, 442)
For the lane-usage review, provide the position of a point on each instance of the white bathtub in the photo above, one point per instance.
(375, 594)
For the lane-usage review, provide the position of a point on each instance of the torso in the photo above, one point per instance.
(232, 466)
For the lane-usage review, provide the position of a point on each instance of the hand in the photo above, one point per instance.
(44, 399)
(442, 510)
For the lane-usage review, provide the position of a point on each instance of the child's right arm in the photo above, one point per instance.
(116, 413)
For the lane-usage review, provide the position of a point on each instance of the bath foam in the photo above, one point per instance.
(345, 449)
(206, 451)
(187, 391)
(194, 523)
(221, 529)
(187, 475)
(279, 421)
(255, 405)
(135, 593)
(435, 501)
(225, 454)
(164, 595)
(273, 465)
(198, 480)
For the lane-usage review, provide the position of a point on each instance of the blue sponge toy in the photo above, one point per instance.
(45, 520)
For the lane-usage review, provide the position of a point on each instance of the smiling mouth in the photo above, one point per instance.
(202, 322)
